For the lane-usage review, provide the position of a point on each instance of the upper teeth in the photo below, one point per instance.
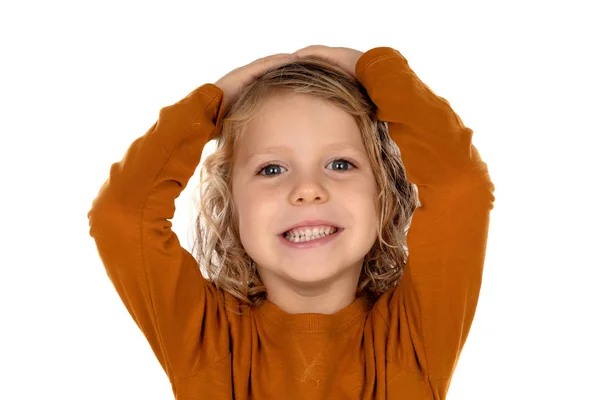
(298, 234)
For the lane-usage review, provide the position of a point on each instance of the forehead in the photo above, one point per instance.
(299, 121)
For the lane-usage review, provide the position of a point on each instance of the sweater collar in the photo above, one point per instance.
(355, 311)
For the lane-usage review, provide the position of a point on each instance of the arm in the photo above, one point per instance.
(158, 281)
(429, 313)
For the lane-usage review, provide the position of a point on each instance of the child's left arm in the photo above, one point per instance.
(430, 313)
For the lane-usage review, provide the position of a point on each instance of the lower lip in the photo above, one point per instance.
(313, 243)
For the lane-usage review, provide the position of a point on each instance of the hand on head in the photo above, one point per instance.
(343, 57)
(232, 83)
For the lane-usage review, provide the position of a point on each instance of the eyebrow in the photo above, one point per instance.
(285, 149)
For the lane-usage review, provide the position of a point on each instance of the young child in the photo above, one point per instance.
(316, 288)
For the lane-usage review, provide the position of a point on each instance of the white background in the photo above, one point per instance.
(81, 80)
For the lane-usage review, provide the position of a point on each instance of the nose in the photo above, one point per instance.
(308, 191)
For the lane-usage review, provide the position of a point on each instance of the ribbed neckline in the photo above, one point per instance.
(357, 310)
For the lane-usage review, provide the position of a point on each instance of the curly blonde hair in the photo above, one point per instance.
(218, 247)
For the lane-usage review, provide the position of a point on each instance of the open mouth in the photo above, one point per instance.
(309, 234)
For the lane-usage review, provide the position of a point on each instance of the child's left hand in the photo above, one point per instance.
(344, 57)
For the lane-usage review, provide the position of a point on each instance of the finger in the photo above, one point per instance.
(259, 66)
(274, 57)
(314, 49)
(269, 59)
(272, 60)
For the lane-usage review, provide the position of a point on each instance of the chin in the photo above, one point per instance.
(314, 273)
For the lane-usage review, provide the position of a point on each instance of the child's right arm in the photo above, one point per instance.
(159, 281)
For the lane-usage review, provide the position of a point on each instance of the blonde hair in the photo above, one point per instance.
(218, 246)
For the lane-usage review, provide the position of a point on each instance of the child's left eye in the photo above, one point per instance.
(341, 165)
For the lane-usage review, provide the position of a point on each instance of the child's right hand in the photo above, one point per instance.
(232, 83)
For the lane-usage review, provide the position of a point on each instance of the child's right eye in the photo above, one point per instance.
(271, 170)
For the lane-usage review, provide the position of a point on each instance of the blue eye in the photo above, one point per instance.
(341, 165)
(271, 170)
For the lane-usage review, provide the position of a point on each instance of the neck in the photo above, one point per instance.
(320, 298)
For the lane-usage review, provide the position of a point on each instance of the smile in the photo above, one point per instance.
(309, 241)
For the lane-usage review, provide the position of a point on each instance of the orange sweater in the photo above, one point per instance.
(405, 346)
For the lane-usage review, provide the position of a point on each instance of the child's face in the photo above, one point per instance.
(303, 139)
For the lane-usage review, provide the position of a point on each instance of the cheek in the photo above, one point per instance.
(255, 211)
(366, 209)
(369, 207)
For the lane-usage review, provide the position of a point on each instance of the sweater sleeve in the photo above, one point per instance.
(429, 313)
(160, 282)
